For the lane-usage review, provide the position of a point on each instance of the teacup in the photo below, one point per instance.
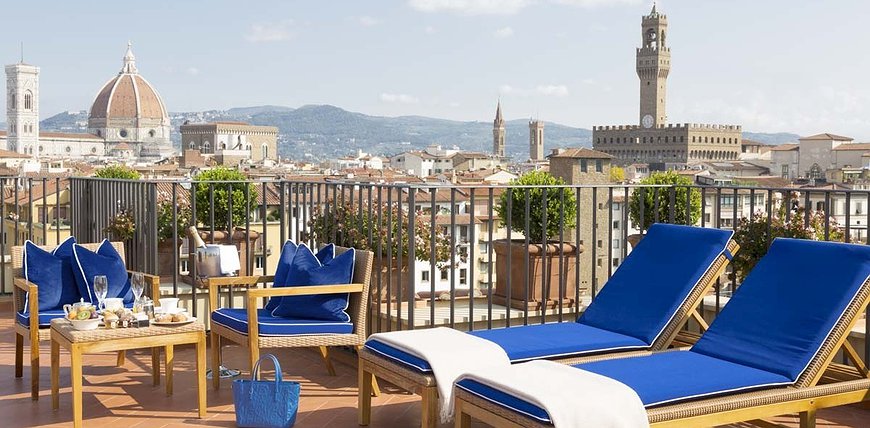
(113, 303)
(168, 304)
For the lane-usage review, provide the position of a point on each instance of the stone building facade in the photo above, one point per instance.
(653, 140)
(230, 143)
(536, 140)
(498, 132)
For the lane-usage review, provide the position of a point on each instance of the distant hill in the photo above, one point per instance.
(318, 132)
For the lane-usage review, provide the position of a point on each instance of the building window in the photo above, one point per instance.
(28, 101)
(616, 244)
(785, 171)
(616, 224)
(600, 243)
(93, 150)
(598, 167)
(424, 276)
(99, 133)
(582, 165)
(615, 262)
(265, 150)
(123, 133)
(151, 133)
(444, 274)
(191, 145)
(12, 101)
(815, 172)
(258, 262)
(463, 276)
(68, 149)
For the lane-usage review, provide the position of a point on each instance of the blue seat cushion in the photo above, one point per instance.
(787, 306)
(237, 319)
(52, 273)
(654, 281)
(657, 379)
(105, 261)
(308, 269)
(532, 342)
(44, 317)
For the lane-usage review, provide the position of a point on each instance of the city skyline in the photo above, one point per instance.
(769, 67)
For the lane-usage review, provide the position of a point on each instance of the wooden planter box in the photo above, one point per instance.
(544, 276)
(390, 278)
(166, 263)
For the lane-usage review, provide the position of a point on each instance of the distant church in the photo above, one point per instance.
(536, 137)
(127, 120)
(653, 140)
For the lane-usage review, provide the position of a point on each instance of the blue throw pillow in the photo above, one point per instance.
(106, 261)
(288, 252)
(52, 273)
(307, 269)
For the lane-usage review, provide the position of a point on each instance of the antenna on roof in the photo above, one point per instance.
(22, 53)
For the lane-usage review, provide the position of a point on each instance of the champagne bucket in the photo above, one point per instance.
(208, 261)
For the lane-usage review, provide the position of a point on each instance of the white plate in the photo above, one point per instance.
(187, 321)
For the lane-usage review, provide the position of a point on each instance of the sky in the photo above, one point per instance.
(772, 65)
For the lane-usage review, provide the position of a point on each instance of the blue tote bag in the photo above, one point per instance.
(263, 403)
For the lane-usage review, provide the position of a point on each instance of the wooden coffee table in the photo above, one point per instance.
(79, 343)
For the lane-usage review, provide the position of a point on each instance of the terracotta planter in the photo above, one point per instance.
(543, 276)
(390, 279)
(166, 258)
(239, 237)
(634, 239)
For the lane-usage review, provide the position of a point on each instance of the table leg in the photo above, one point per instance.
(200, 374)
(170, 360)
(76, 378)
(155, 366)
(55, 373)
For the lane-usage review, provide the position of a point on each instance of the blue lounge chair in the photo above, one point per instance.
(641, 308)
(764, 355)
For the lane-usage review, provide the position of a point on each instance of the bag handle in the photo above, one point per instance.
(255, 373)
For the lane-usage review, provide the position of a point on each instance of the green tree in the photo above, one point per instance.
(228, 187)
(617, 174)
(121, 172)
(561, 208)
(679, 185)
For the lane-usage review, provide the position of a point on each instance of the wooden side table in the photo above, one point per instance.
(79, 343)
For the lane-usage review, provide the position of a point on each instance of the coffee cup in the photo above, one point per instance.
(113, 303)
(168, 304)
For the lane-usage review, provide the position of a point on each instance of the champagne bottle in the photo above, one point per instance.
(197, 240)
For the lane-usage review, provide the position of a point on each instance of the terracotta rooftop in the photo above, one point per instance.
(853, 146)
(826, 136)
(785, 147)
(581, 153)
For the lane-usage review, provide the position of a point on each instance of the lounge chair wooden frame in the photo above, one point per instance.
(33, 332)
(372, 365)
(359, 297)
(823, 384)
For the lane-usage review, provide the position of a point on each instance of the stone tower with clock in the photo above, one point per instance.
(653, 66)
(653, 140)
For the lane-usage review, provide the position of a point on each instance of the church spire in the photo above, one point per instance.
(129, 60)
(498, 116)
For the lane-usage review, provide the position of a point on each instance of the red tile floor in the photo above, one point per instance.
(124, 397)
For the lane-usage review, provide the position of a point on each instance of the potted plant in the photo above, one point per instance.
(122, 226)
(168, 240)
(646, 197)
(544, 276)
(221, 198)
(120, 172)
(351, 225)
(754, 235)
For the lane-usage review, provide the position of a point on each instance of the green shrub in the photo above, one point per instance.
(227, 184)
(561, 209)
(680, 185)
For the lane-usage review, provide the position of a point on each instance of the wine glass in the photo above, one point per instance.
(101, 289)
(137, 283)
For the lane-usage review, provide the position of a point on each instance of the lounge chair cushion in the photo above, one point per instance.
(237, 319)
(795, 295)
(52, 274)
(308, 269)
(557, 340)
(531, 342)
(655, 279)
(105, 261)
(44, 317)
(658, 379)
(288, 252)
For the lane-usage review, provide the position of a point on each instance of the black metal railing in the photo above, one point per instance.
(436, 247)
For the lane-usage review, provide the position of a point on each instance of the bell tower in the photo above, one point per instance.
(22, 108)
(498, 132)
(653, 67)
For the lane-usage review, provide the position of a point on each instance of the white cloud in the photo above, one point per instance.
(429, 29)
(193, 71)
(399, 98)
(503, 33)
(368, 21)
(471, 7)
(553, 90)
(506, 89)
(501, 7)
(269, 32)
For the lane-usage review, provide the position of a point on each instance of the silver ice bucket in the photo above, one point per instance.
(208, 261)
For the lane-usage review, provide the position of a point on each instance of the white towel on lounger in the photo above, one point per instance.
(572, 397)
(450, 353)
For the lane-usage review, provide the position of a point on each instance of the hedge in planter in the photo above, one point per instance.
(681, 186)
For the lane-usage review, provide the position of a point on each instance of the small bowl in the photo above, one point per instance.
(88, 324)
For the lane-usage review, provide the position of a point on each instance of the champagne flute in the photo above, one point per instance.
(101, 289)
(137, 283)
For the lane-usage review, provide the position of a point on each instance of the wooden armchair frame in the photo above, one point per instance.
(357, 309)
(32, 331)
